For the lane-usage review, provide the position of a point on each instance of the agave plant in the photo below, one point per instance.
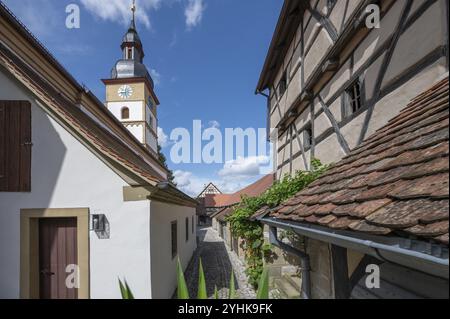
(183, 293)
(125, 290)
(263, 286)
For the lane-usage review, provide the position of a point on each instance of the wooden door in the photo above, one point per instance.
(57, 250)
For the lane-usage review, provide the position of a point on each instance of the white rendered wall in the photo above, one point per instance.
(164, 281)
(136, 110)
(65, 174)
(137, 130)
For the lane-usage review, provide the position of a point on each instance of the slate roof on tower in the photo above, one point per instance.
(131, 67)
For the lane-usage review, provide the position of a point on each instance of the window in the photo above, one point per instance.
(187, 229)
(330, 5)
(308, 136)
(129, 53)
(125, 113)
(174, 235)
(282, 86)
(150, 121)
(15, 146)
(150, 103)
(353, 97)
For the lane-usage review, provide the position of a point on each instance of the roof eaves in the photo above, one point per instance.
(426, 257)
(28, 35)
(279, 42)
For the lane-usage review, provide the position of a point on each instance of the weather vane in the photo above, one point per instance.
(133, 10)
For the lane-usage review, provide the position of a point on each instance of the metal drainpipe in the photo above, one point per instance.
(397, 255)
(305, 262)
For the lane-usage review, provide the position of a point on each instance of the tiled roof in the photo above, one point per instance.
(395, 183)
(97, 135)
(255, 189)
(224, 213)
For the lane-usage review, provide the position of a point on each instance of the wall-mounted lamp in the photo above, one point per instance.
(98, 222)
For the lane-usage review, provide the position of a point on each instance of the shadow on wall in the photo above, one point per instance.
(48, 155)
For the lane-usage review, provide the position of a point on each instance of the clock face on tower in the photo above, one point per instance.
(125, 92)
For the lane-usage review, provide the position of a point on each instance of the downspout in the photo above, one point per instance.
(426, 263)
(304, 258)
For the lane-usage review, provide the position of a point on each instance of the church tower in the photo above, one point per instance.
(130, 92)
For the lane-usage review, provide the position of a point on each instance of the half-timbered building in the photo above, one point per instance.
(372, 98)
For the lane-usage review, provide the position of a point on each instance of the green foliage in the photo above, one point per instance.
(182, 291)
(216, 293)
(263, 290)
(163, 160)
(232, 290)
(202, 292)
(125, 290)
(252, 231)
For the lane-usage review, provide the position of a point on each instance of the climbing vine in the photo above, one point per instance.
(252, 231)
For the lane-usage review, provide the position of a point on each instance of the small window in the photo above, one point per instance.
(174, 233)
(130, 53)
(330, 4)
(282, 86)
(125, 113)
(308, 137)
(150, 103)
(354, 101)
(187, 229)
(150, 121)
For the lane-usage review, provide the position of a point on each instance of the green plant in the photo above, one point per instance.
(182, 290)
(202, 293)
(252, 231)
(125, 290)
(183, 293)
(232, 291)
(263, 290)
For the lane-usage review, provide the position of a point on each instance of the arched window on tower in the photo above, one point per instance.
(125, 113)
(129, 53)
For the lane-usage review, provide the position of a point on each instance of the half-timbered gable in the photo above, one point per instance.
(333, 81)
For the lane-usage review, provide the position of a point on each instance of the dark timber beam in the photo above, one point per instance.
(340, 272)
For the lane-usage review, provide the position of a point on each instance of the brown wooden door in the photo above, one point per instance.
(57, 250)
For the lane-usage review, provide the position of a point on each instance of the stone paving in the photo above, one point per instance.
(217, 263)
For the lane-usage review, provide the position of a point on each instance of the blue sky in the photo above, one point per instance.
(205, 57)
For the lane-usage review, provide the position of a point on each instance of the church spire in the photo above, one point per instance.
(133, 19)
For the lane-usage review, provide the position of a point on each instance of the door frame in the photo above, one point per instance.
(29, 248)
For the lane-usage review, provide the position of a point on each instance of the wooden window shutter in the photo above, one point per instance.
(15, 146)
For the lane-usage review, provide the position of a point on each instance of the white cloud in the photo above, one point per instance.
(192, 185)
(156, 76)
(120, 10)
(39, 16)
(194, 13)
(243, 167)
(163, 139)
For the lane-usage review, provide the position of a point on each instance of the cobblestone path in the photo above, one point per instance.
(217, 262)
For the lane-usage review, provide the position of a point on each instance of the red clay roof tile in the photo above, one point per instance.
(396, 181)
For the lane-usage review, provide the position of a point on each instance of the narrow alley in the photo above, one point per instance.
(218, 262)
